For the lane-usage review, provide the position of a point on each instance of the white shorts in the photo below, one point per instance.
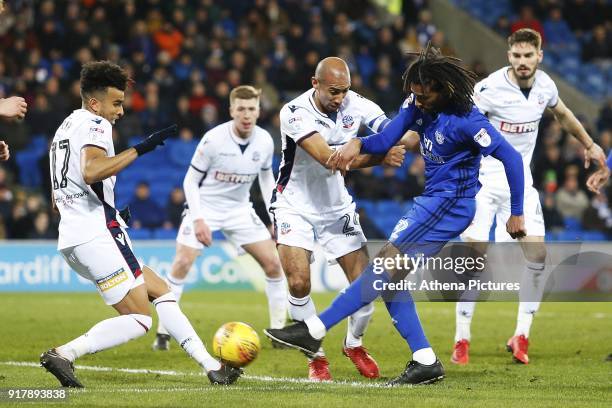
(240, 227)
(339, 233)
(495, 202)
(107, 261)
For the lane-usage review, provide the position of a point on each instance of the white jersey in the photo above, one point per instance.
(303, 183)
(229, 166)
(515, 116)
(85, 209)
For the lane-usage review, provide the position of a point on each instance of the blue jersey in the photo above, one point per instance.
(451, 146)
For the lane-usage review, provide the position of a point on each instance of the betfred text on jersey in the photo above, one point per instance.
(526, 127)
(235, 178)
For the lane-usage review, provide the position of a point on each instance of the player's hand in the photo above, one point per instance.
(13, 107)
(342, 158)
(202, 232)
(4, 151)
(598, 179)
(595, 153)
(155, 139)
(395, 156)
(516, 226)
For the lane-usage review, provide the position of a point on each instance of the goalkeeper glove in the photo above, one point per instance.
(154, 140)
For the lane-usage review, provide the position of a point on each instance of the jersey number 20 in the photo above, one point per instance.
(63, 145)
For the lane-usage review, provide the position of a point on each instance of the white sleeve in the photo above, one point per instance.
(373, 116)
(554, 97)
(99, 133)
(266, 185)
(483, 97)
(203, 156)
(191, 186)
(297, 123)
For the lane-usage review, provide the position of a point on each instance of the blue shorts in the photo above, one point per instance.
(431, 223)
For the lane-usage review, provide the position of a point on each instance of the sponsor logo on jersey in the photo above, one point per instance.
(419, 121)
(96, 129)
(439, 137)
(347, 121)
(187, 230)
(399, 227)
(285, 228)
(256, 156)
(112, 280)
(526, 127)
(482, 138)
(235, 178)
(293, 108)
(121, 238)
(295, 119)
(97, 121)
(320, 122)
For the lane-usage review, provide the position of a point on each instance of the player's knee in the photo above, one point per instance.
(272, 267)
(299, 286)
(146, 321)
(181, 266)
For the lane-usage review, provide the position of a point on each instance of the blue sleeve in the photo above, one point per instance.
(380, 143)
(609, 161)
(513, 165)
(480, 134)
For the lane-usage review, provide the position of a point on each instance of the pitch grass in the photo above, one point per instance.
(569, 343)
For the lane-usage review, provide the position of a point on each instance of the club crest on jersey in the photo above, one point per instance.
(285, 228)
(439, 137)
(256, 156)
(399, 227)
(540, 99)
(482, 138)
(419, 121)
(347, 121)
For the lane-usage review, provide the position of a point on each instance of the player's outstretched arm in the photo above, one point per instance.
(513, 166)
(97, 166)
(569, 122)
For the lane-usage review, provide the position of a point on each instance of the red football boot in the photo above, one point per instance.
(518, 346)
(363, 361)
(318, 369)
(461, 352)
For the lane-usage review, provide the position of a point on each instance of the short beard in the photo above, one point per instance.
(519, 76)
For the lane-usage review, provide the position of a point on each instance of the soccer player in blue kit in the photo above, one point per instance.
(453, 135)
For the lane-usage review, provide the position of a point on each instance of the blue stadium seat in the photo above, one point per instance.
(164, 233)
(572, 224)
(594, 236)
(389, 207)
(368, 205)
(570, 236)
(140, 233)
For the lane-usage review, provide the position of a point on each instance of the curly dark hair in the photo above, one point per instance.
(99, 75)
(443, 74)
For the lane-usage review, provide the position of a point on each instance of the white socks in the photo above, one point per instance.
(357, 324)
(182, 331)
(176, 287)
(532, 288)
(276, 291)
(301, 308)
(425, 356)
(106, 334)
(463, 320)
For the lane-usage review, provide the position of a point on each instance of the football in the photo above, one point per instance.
(236, 344)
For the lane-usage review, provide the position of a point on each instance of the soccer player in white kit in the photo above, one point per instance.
(310, 203)
(514, 99)
(224, 166)
(92, 235)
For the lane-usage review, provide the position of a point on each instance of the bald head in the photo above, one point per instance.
(332, 81)
(332, 68)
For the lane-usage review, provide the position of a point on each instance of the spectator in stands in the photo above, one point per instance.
(579, 14)
(598, 216)
(527, 19)
(552, 218)
(599, 46)
(145, 212)
(571, 201)
(175, 208)
(6, 195)
(42, 227)
(502, 26)
(558, 34)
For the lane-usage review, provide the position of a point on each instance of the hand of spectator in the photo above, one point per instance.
(154, 140)
(516, 226)
(342, 158)
(598, 179)
(4, 151)
(596, 153)
(13, 107)
(202, 232)
(395, 156)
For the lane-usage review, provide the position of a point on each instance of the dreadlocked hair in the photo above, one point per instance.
(442, 74)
